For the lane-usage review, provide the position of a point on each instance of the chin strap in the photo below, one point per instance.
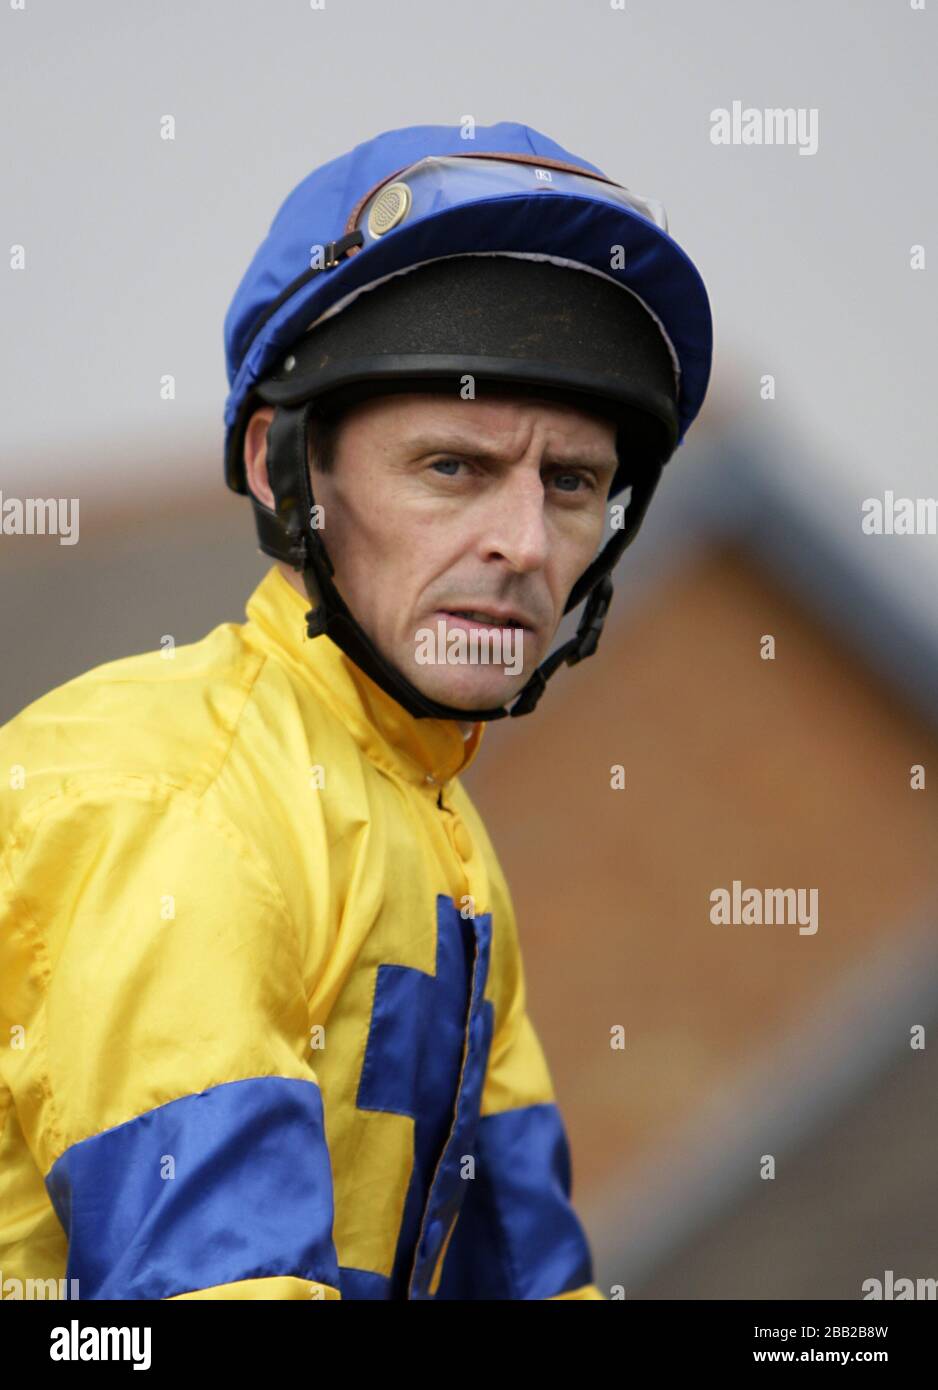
(293, 496)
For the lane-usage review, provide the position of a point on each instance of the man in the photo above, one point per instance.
(259, 962)
(449, 534)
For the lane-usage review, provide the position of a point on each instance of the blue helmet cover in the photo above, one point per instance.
(578, 225)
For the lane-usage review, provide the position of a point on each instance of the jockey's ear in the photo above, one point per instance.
(255, 454)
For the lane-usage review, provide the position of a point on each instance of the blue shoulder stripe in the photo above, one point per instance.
(230, 1183)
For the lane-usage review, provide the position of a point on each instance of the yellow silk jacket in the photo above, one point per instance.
(263, 1031)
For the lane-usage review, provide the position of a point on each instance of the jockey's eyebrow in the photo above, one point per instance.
(435, 443)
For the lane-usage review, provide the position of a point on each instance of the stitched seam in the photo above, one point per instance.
(186, 1095)
(151, 791)
(43, 967)
(141, 789)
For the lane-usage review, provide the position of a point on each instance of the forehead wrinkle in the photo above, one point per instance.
(438, 440)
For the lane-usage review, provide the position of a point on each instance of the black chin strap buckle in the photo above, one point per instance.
(296, 555)
(530, 695)
(315, 622)
(582, 645)
(591, 624)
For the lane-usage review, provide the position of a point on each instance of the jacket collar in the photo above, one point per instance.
(425, 751)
